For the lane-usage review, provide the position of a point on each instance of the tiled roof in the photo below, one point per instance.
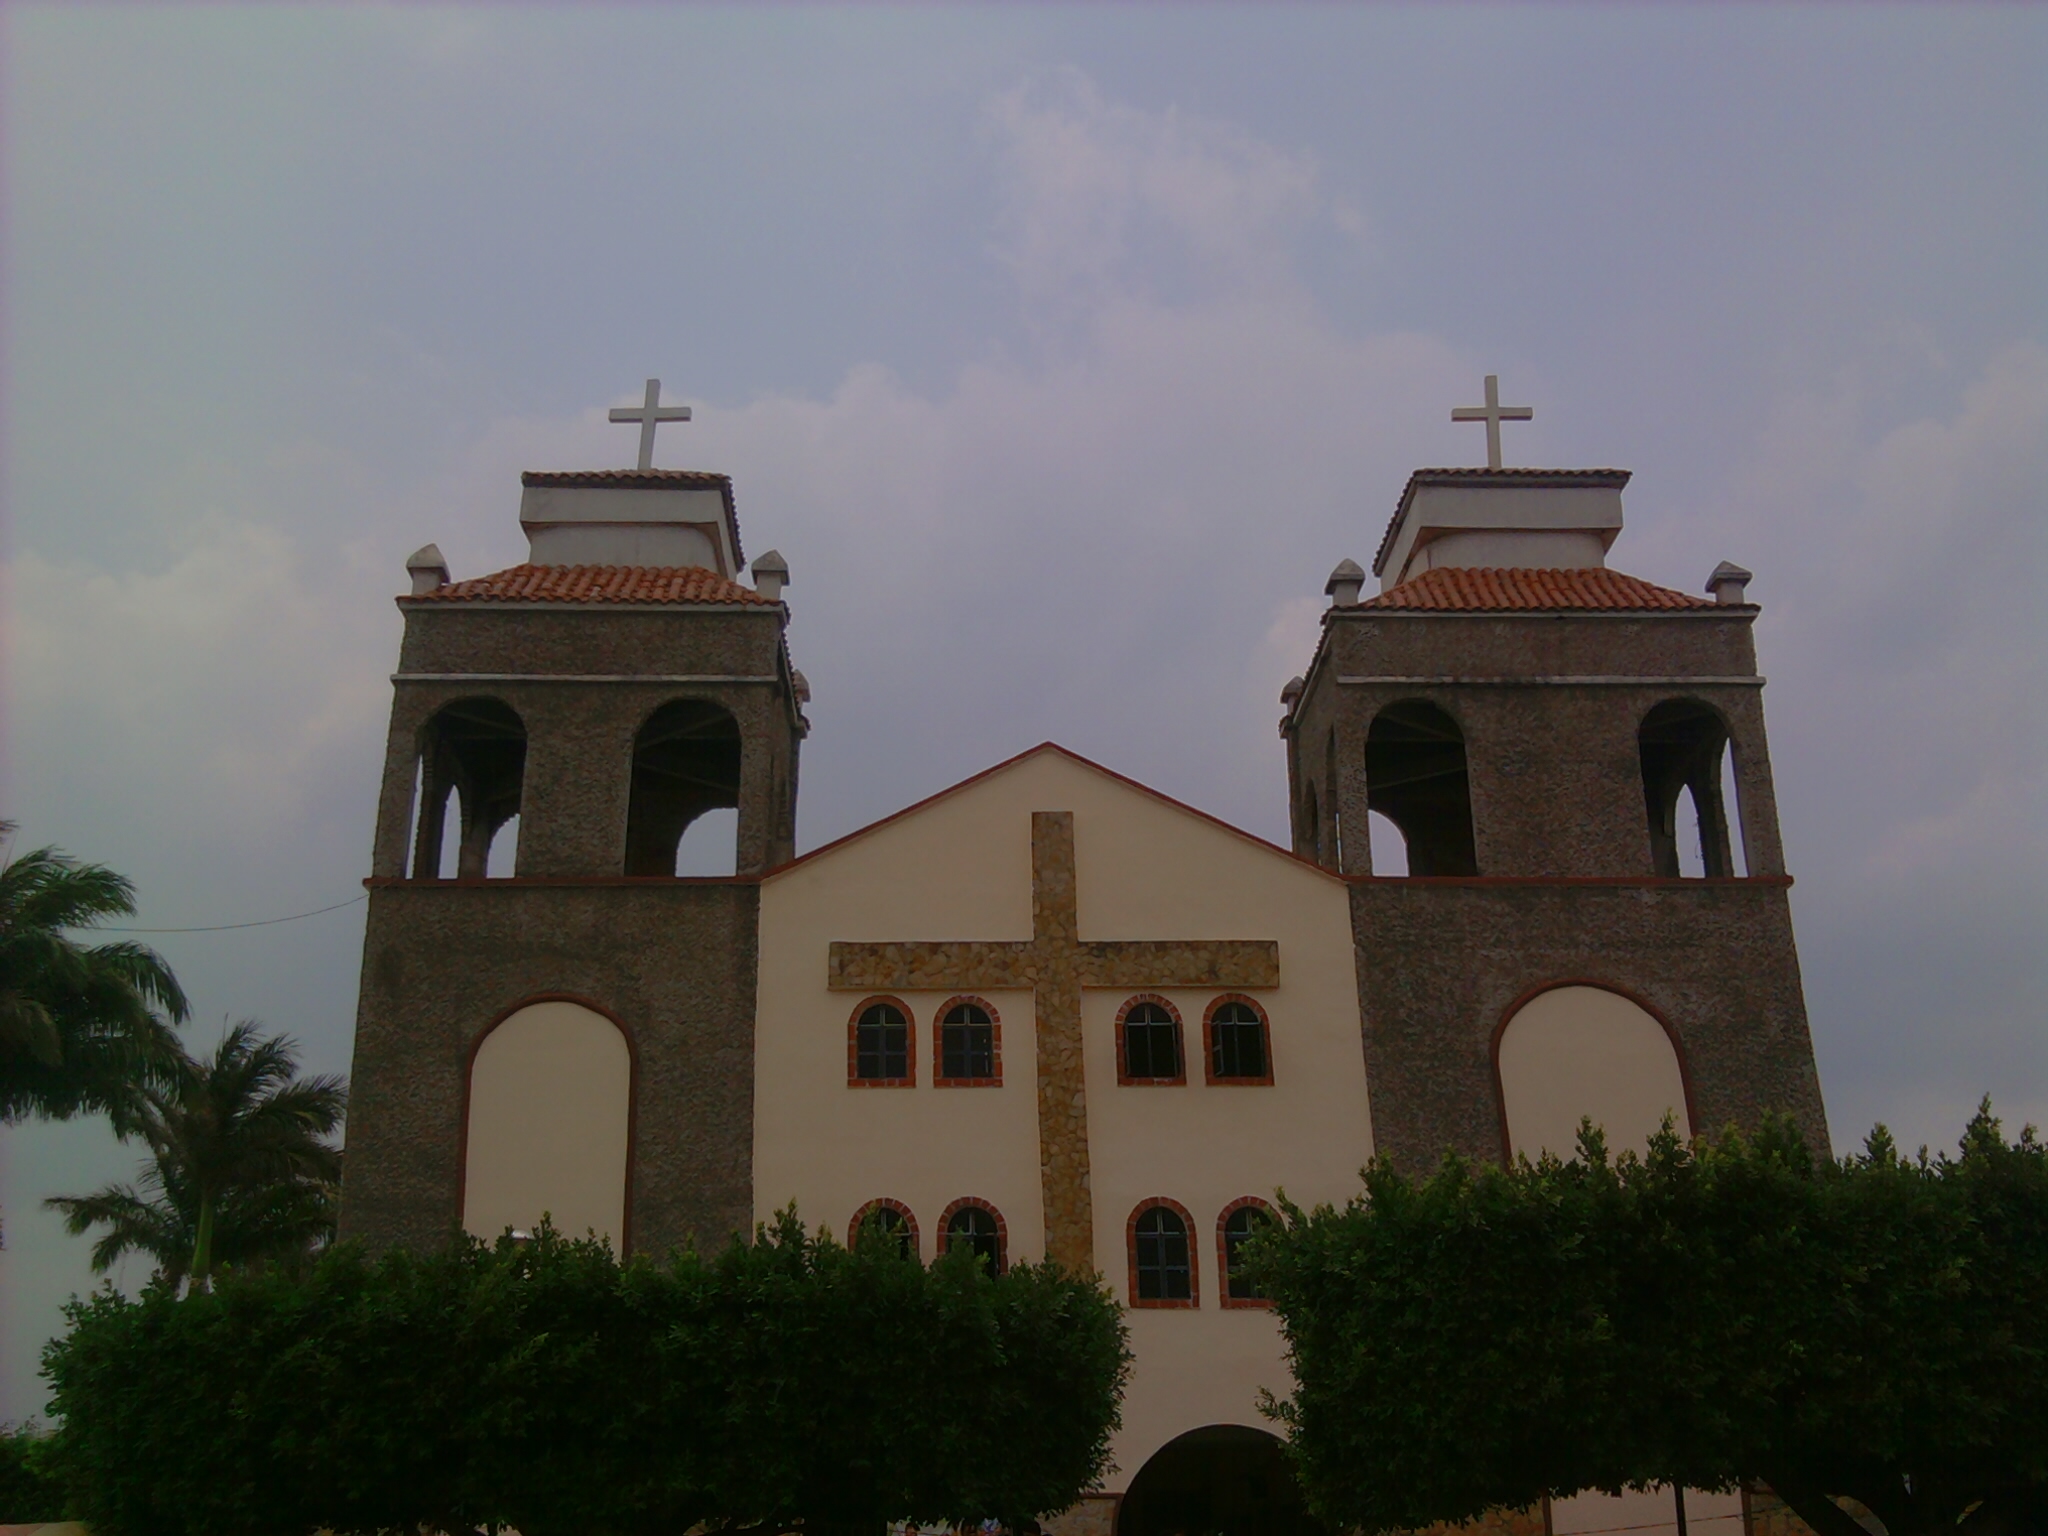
(1466, 589)
(625, 477)
(1605, 479)
(596, 584)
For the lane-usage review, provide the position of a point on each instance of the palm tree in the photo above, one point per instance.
(240, 1170)
(78, 1024)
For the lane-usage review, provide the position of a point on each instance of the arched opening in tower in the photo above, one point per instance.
(686, 761)
(1415, 776)
(1684, 748)
(1221, 1480)
(476, 750)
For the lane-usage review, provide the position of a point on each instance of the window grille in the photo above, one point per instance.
(976, 1227)
(967, 1043)
(1164, 1269)
(882, 1044)
(1237, 1038)
(1151, 1043)
(1239, 1228)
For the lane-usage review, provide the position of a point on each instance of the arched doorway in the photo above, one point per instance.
(1221, 1480)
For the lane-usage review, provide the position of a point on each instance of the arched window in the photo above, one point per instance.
(1309, 840)
(1148, 1042)
(475, 749)
(686, 761)
(980, 1226)
(880, 1051)
(1162, 1258)
(1241, 1221)
(1415, 776)
(1238, 1041)
(1684, 745)
(887, 1221)
(970, 1045)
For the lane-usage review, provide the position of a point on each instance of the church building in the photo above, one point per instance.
(1050, 1012)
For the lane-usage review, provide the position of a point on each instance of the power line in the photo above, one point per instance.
(262, 922)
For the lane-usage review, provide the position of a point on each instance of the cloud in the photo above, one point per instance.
(1094, 185)
(1900, 558)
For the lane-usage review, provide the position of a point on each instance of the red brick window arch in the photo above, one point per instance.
(969, 1053)
(889, 1220)
(1148, 1042)
(1237, 1041)
(881, 1045)
(979, 1226)
(1160, 1241)
(1239, 1223)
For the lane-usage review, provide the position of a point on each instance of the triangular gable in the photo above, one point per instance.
(1007, 765)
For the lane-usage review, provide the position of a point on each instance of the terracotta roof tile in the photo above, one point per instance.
(596, 584)
(1476, 590)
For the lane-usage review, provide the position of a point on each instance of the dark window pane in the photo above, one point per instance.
(882, 1044)
(1151, 1042)
(889, 1224)
(1240, 1228)
(1240, 1041)
(977, 1228)
(1163, 1272)
(967, 1043)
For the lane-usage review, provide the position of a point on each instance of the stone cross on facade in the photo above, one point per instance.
(1493, 413)
(1056, 964)
(647, 416)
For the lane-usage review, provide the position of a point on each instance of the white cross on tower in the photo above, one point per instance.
(1493, 413)
(647, 416)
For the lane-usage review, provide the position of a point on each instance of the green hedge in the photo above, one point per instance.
(1874, 1328)
(540, 1384)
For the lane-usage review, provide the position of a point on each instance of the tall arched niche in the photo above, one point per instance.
(1573, 1052)
(549, 1127)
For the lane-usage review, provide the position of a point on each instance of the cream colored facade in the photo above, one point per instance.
(551, 1086)
(959, 867)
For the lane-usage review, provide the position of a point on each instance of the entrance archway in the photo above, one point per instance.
(1221, 1480)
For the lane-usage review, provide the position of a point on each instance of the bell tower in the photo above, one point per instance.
(1569, 777)
(591, 705)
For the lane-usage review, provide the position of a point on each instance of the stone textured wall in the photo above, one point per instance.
(674, 963)
(580, 734)
(1555, 772)
(1442, 961)
(1566, 887)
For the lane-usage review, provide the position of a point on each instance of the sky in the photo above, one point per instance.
(1062, 351)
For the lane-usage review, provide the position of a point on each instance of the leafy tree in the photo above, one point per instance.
(27, 1493)
(240, 1169)
(784, 1384)
(78, 1026)
(1874, 1328)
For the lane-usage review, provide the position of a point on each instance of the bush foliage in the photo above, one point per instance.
(1873, 1328)
(539, 1384)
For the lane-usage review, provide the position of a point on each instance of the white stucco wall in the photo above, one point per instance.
(550, 1096)
(1583, 1051)
(960, 868)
